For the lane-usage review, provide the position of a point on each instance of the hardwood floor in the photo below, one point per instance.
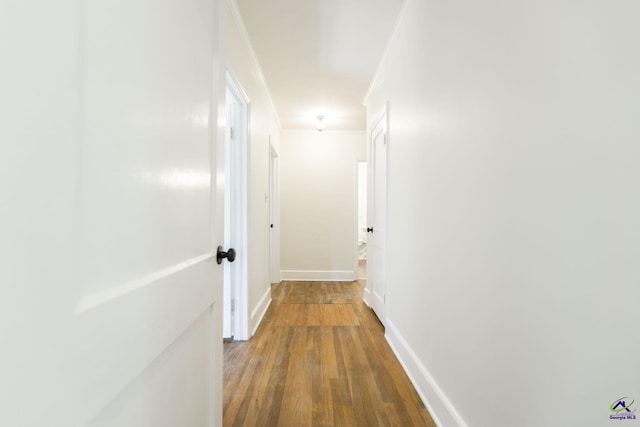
(318, 359)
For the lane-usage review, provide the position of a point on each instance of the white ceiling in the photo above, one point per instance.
(318, 57)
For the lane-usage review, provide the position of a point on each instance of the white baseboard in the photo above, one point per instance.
(319, 275)
(260, 310)
(366, 296)
(439, 406)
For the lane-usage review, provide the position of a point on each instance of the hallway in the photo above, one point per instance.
(319, 358)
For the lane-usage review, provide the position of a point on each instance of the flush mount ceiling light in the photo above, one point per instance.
(320, 123)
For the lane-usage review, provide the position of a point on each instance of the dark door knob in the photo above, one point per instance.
(369, 229)
(230, 255)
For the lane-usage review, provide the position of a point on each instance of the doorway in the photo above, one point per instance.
(274, 215)
(235, 305)
(362, 221)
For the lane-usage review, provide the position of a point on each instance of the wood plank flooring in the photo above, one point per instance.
(318, 359)
(315, 315)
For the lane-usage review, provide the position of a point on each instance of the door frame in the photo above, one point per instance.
(382, 121)
(236, 217)
(358, 184)
(274, 214)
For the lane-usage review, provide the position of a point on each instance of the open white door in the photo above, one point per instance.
(377, 229)
(109, 214)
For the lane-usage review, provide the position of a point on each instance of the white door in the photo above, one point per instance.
(109, 214)
(377, 228)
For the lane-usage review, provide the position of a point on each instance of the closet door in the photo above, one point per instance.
(377, 229)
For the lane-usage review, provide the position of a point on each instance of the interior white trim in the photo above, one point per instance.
(261, 309)
(366, 296)
(387, 49)
(239, 206)
(325, 132)
(233, 81)
(439, 406)
(235, 12)
(274, 214)
(356, 183)
(319, 275)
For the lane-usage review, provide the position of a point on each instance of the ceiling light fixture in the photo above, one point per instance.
(320, 123)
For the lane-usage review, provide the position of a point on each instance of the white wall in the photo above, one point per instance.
(264, 127)
(319, 204)
(514, 220)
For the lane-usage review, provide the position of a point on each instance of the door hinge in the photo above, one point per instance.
(233, 305)
(231, 133)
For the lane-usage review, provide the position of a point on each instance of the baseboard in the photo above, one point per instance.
(439, 406)
(261, 309)
(366, 296)
(319, 275)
